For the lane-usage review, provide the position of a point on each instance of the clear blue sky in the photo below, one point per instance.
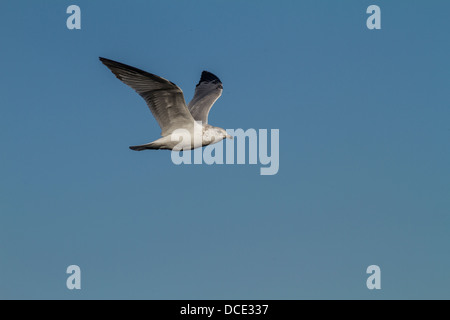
(364, 151)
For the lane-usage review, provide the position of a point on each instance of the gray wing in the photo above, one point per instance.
(164, 98)
(207, 91)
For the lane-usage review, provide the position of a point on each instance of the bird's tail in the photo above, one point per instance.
(161, 143)
(147, 146)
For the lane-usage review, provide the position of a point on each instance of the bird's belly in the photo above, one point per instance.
(185, 141)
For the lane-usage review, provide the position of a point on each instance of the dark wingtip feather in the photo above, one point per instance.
(114, 66)
(209, 77)
(112, 63)
(105, 61)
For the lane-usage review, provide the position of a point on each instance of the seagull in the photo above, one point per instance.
(182, 127)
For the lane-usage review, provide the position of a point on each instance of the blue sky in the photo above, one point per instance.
(364, 152)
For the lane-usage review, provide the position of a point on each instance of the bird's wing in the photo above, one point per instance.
(164, 98)
(207, 91)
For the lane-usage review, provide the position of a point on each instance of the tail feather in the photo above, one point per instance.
(144, 147)
(162, 143)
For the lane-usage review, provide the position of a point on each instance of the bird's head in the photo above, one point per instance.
(224, 134)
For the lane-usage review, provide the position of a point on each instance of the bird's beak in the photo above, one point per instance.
(229, 137)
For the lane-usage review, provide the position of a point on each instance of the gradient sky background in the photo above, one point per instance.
(364, 151)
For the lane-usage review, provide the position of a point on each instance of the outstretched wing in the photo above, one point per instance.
(207, 91)
(164, 98)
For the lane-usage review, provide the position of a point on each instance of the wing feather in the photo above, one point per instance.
(164, 98)
(207, 91)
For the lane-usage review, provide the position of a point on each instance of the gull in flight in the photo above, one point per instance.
(183, 127)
